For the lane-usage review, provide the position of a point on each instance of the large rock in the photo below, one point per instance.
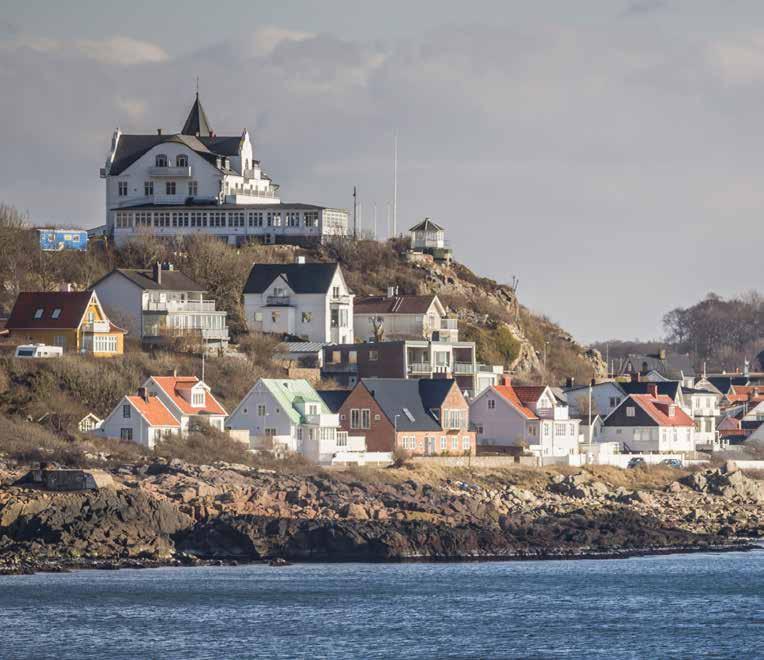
(579, 486)
(727, 481)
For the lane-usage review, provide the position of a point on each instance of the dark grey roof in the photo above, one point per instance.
(426, 225)
(302, 278)
(172, 280)
(223, 145)
(196, 122)
(399, 396)
(723, 383)
(334, 398)
(668, 387)
(673, 365)
(131, 147)
(433, 391)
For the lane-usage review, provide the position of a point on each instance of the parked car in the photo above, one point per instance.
(672, 462)
(32, 351)
(636, 462)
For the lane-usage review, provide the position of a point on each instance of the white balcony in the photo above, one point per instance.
(420, 368)
(340, 300)
(322, 419)
(278, 301)
(173, 306)
(173, 172)
(250, 197)
(464, 368)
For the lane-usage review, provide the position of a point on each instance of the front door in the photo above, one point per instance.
(430, 445)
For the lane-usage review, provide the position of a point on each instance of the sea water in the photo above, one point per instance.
(677, 606)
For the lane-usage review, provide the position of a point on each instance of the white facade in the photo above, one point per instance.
(703, 407)
(197, 182)
(301, 426)
(316, 317)
(398, 325)
(548, 431)
(661, 439)
(126, 422)
(606, 397)
(154, 314)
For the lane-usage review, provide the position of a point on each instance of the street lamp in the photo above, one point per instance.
(546, 343)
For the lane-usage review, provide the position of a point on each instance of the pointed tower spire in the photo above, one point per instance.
(196, 123)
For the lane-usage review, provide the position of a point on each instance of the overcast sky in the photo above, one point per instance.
(607, 153)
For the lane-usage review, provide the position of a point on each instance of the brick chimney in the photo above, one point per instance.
(143, 393)
(636, 378)
(505, 380)
(652, 390)
(157, 272)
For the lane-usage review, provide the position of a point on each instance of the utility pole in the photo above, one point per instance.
(388, 220)
(355, 213)
(395, 185)
(590, 418)
(375, 221)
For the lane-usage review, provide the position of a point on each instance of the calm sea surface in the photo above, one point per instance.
(681, 606)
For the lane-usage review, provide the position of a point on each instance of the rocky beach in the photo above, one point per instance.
(173, 513)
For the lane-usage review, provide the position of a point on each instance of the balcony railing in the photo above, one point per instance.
(178, 306)
(237, 196)
(464, 368)
(449, 324)
(278, 301)
(96, 326)
(340, 300)
(215, 333)
(420, 367)
(175, 172)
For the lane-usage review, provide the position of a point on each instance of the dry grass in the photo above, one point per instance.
(644, 477)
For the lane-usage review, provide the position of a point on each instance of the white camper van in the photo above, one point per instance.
(31, 351)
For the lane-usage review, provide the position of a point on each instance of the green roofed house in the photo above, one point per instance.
(289, 415)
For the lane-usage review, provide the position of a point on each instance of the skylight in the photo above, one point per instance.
(56, 313)
(38, 313)
(408, 414)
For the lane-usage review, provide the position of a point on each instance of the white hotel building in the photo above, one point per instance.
(198, 182)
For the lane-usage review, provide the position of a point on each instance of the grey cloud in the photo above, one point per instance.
(642, 7)
(601, 167)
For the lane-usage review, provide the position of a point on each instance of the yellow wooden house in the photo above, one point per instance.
(74, 320)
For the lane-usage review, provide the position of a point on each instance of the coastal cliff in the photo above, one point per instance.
(164, 513)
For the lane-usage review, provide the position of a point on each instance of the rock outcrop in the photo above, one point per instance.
(174, 512)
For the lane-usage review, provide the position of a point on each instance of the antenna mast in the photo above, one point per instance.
(355, 212)
(395, 185)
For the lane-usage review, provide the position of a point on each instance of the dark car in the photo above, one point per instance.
(672, 462)
(636, 462)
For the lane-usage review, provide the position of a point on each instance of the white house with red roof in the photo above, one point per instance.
(188, 399)
(650, 422)
(143, 419)
(507, 415)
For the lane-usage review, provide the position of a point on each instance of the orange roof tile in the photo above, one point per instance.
(654, 406)
(172, 385)
(529, 393)
(508, 392)
(155, 412)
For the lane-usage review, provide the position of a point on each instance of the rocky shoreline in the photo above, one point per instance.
(177, 514)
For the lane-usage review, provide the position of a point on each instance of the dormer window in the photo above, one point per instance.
(181, 161)
(161, 160)
(197, 399)
(56, 313)
(38, 313)
(671, 411)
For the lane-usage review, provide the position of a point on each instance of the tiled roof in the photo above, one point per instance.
(508, 393)
(657, 409)
(155, 412)
(172, 385)
(670, 388)
(72, 304)
(392, 304)
(530, 393)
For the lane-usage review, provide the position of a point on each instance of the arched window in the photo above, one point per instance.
(181, 161)
(161, 160)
